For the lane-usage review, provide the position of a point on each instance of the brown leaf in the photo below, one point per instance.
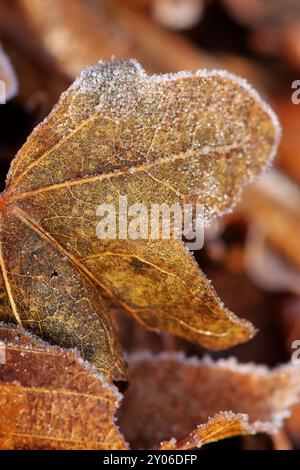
(201, 401)
(51, 399)
(6, 313)
(116, 131)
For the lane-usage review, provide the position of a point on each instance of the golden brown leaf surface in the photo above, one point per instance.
(51, 399)
(116, 131)
(187, 403)
(6, 312)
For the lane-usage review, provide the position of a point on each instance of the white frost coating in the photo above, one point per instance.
(90, 79)
(267, 109)
(93, 72)
(231, 364)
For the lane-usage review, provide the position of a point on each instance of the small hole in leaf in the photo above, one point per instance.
(54, 274)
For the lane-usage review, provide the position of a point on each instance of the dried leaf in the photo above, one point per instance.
(51, 399)
(201, 401)
(116, 131)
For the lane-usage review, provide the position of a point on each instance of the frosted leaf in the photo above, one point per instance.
(183, 138)
(187, 402)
